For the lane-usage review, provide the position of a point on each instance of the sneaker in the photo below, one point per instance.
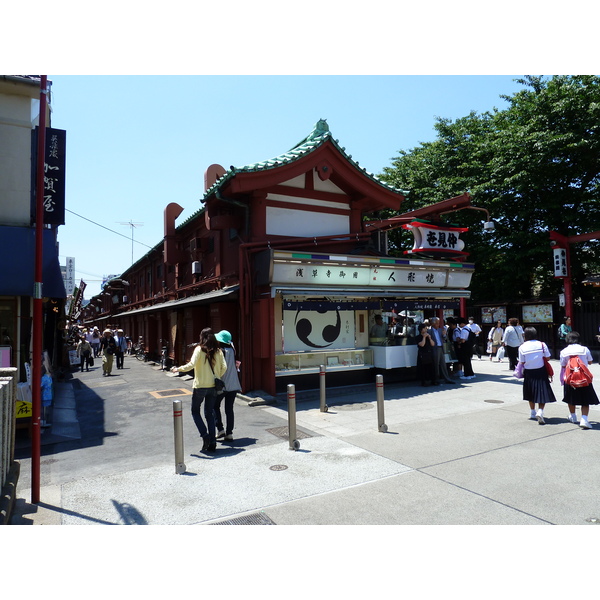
(540, 417)
(573, 419)
(220, 434)
(471, 377)
(228, 438)
(533, 415)
(585, 424)
(463, 377)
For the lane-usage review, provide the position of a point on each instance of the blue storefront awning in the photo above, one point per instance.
(17, 266)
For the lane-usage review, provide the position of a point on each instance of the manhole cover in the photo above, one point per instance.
(358, 406)
(253, 519)
(494, 401)
(171, 393)
(283, 432)
(278, 467)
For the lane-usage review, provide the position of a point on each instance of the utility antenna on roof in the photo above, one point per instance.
(132, 225)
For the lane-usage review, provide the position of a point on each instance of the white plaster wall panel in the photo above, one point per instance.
(302, 223)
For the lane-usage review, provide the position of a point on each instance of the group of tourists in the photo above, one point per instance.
(527, 357)
(110, 345)
(216, 381)
(436, 339)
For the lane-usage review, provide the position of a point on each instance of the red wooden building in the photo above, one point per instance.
(281, 254)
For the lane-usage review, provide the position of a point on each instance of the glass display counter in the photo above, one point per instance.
(393, 357)
(335, 360)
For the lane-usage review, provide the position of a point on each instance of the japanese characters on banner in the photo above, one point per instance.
(560, 262)
(69, 276)
(75, 307)
(54, 176)
(354, 275)
(436, 240)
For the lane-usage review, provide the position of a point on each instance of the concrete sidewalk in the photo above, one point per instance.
(453, 454)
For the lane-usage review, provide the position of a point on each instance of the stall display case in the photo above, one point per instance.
(393, 357)
(335, 360)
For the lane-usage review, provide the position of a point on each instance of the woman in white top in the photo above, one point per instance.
(584, 396)
(495, 336)
(511, 340)
(536, 387)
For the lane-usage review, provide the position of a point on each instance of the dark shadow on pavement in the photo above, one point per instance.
(129, 514)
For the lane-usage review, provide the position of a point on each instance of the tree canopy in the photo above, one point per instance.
(535, 166)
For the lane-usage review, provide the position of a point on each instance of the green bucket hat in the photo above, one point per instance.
(224, 337)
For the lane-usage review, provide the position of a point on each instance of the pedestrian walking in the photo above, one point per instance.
(438, 335)
(465, 349)
(536, 384)
(425, 366)
(564, 329)
(96, 339)
(577, 396)
(495, 339)
(232, 387)
(476, 330)
(84, 351)
(107, 347)
(208, 362)
(512, 340)
(121, 347)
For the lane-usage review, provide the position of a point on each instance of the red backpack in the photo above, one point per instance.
(577, 374)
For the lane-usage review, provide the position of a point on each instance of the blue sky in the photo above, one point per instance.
(137, 143)
(150, 98)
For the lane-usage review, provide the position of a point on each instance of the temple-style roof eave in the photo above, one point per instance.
(320, 137)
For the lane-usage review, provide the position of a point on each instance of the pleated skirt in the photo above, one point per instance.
(536, 386)
(585, 396)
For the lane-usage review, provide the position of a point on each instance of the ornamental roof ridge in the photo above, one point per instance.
(316, 138)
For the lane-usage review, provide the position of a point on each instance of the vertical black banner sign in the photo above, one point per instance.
(54, 176)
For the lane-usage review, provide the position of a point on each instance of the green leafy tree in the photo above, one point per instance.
(535, 166)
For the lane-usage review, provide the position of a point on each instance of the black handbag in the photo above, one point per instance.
(219, 383)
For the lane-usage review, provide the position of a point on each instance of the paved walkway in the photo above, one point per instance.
(453, 454)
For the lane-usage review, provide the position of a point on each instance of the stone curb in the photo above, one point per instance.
(9, 493)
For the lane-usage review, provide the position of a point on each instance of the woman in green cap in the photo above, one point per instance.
(232, 387)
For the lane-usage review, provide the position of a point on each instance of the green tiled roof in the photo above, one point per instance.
(317, 137)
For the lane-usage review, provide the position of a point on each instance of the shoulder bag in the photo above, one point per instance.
(219, 383)
(549, 369)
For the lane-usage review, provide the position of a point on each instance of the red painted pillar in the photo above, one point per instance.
(36, 359)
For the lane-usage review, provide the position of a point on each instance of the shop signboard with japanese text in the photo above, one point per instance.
(54, 176)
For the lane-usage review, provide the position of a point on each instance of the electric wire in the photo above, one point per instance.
(107, 229)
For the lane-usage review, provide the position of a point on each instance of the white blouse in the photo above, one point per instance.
(532, 354)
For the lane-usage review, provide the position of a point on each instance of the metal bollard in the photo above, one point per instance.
(324, 407)
(291, 396)
(178, 428)
(380, 416)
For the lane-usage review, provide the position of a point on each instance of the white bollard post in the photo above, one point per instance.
(324, 407)
(380, 416)
(178, 430)
(291, 395)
